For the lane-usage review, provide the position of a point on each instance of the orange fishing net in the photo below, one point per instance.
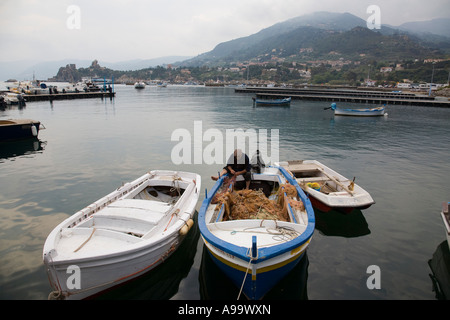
(253, 204)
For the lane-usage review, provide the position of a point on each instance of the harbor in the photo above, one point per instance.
(90, 147)
(351, 96)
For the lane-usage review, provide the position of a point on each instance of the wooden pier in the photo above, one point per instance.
(68, 96)
(353, 96)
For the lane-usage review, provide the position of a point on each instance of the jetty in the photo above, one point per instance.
(68, 96)
(342, 95)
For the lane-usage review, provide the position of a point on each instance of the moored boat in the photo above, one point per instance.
(363, 112)
(122, 235)
(257, 236)
(139, 85)
(328, 189)
(18, 129)
(273, 102)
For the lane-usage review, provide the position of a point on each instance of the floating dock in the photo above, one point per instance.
(354, 96)
(68, 96)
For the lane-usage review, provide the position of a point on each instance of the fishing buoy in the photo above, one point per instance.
(186, 227)
(34, 131)
(313, 185)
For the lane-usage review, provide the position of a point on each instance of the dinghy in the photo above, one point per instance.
(256, 236)
(17, 129)
(326, 188)
(121, 236)
(273, 102)
(139, 85)
(364, 112)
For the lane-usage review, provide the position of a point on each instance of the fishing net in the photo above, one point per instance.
(253, 204)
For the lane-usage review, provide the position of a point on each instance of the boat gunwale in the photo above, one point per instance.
(263, 253)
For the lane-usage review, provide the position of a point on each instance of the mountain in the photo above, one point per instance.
(323, 32)
(436, 26)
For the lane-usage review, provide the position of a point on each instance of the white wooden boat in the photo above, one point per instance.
(256, 252)
(139, 85)
(445, 214)
(364, 112)
(328, 189)
(121, 236)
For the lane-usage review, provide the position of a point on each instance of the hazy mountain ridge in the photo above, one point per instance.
(315, 29)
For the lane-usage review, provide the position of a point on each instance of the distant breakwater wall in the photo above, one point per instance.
(353, 96)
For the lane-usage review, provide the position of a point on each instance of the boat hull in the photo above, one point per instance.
(373, 112)
(113, 271)
(274, 102)
(255, 281)
(11, 130)
(252, 264)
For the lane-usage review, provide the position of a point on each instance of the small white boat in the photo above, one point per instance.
(12, 98)
(364, 112)
(328, 189)
(139, 85)
(121, 236)
(257, 236)
(445, 214)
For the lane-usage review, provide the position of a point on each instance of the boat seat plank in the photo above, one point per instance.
(132, 209)
(303, 167)
(315, 179)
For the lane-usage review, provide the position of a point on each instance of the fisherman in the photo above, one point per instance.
(238, 164)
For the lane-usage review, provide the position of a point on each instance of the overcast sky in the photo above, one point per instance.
(117, 30)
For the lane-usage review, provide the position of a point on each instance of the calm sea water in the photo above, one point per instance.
(90, 147)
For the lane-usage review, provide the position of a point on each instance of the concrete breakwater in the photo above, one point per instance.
(354, 96)
(68, 96)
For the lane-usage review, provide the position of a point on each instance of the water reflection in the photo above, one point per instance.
(14, 149)
(211, 278)
(336, 223)
(162, 282)
(440, 267)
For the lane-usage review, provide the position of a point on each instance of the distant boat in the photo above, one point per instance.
(12, 98)
(162, 84)
(273, 102)
(364, 112)
(18, 129)
(139, 85)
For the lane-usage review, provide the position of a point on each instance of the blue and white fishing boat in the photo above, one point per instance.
(257, 251)
(273, 102)
(364, 112)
